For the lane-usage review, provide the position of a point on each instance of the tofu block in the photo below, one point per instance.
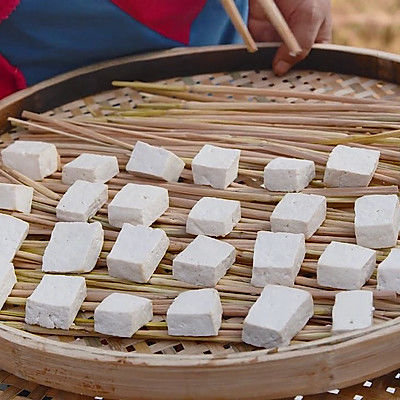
(277, 258)
(352, 310)
(91, 168)
(36, 160)
(277, 316)
(122, 315)
(195, 313)
(345, 266)
(204, 261)
(16, 197)
(350, 166)
(377, 220)
(73, 247)
(288, 174)
(56, 301)
(7, 281)
(13, 232)
(137, 252)
(299, 213)
(215, 166)
(81, 201)
(138, 205)
(389, 272)
(155, 162)
(213, 217)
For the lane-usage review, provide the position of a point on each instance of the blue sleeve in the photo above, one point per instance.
(213, 25)
(44, 38)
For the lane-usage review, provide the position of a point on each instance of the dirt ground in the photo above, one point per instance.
(367, 23)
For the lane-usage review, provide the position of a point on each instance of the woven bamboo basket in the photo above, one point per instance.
(152, 365)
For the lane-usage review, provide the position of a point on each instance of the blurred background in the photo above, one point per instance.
(367, 23)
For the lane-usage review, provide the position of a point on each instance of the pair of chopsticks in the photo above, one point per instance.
(274, 16)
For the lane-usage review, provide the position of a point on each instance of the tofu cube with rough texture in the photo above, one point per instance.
(352, 310)
(215, 166)
(377, 220)
(195, 313)
(155, 162)
(137, 252)
(389, 272)
(56, 301)
(7, 280)
(204, 261)
(277, 316)
(350, 166)
(91, 168)
(345, 266)
(36, 160)
(16, 197)
(122, 315)
(299, 213)
(213, 217)
(13, 232)
(277, 258)
(288, 174)
(73, 247)
(81, 201)
(138, 205)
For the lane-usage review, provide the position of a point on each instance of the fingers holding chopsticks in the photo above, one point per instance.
(309, 20)
(310, 23)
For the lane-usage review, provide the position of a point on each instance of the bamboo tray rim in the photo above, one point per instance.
(327, 353)
(325, 344)
(8, 103)
(336, 343)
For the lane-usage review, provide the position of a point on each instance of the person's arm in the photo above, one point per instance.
(309, 20)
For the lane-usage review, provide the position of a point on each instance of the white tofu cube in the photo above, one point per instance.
(13, 232)
(277, 258)
(16, 197)
(138, 205)
(288, 174)
(73, 247)
(204, 261)
(215, 166)
(377, 220)
(213, 217)
(137, 252)
(350, 166)
(122, 315)
(155, 162)
(299, 213)
(345, 266)
(352, 310)
(91, 168)
(7, 281)
(277, 316)
(56, 301)
(195, 313)
(36, 160)
(81, 201)
(389, 272)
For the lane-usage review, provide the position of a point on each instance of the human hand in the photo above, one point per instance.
(309, 20)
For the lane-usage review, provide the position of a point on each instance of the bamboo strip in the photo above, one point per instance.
(253, 91)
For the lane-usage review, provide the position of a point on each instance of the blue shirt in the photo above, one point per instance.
(44, 38)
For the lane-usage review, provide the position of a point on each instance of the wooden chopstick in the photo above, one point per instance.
(279, 23)
(239, 24)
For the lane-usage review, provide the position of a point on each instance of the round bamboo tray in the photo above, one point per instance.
(161, 368)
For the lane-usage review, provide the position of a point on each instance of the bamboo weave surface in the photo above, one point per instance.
(317, 82)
